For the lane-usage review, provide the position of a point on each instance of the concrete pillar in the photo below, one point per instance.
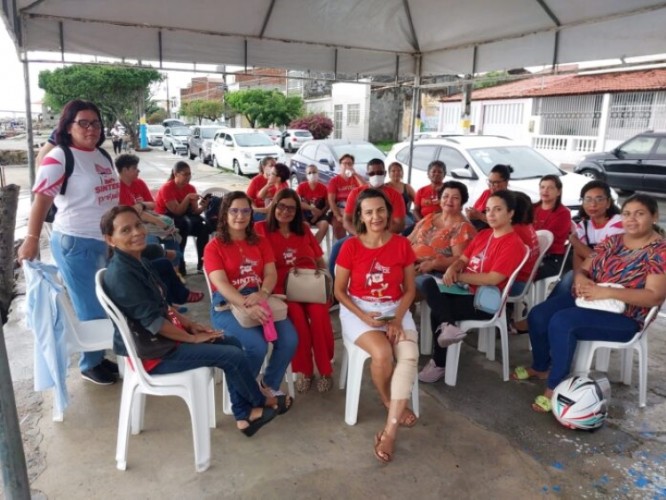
(603, 123)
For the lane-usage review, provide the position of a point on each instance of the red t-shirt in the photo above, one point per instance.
(529, 237)
(480, 204)
(398, 203)
(556, 221)
(315, 197)
(170, 191)
(341, 187)
(272, 191)
(291, 251)
(487, 254)
(376, 274)
(136, 192)
(427, 200)
(257, 182)
(243, 263)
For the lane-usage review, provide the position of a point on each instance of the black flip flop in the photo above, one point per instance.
(267, 415)
(282, 406)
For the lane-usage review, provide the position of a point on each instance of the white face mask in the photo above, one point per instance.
(377, 180)
(348, 173)
(312, 176)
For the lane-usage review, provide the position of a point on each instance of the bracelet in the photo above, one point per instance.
(32, 236)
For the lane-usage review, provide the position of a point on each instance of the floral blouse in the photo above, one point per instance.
(432, 242)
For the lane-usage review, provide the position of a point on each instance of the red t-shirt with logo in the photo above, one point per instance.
(376, 274)
(427, 200)
(341, 187)
(396, 200)
(243, 263)
(136, 192)
(170, 191)
(529, 237)
(487, 254)
(315, 197)
(291, 251)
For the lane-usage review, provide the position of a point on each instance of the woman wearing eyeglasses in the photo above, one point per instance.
(240, 266)
(294, 245)
(498, 180)
(76, 243)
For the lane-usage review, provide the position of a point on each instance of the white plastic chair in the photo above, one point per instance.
(543, 286)
(351, 368)
(486, 329)
(226, 400)
(196, 387)
(425, 331)
(215, 191)
(585, 350)
(545, 238)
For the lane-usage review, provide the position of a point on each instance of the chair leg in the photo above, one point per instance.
(582, 358)
(289, 377)
(212, 417)
(226, 400)
(603, 359)
(642, 348)
(415, 397)
(425, 333)
(627, 364)
(452, 358)
(126, 400)
(198, 403)
(354, 378)
(489, 333)
(504, 340)
(343, 368)
(138, 412)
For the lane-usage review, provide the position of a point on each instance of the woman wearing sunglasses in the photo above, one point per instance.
(76, 243)
(241, 269)
(294, 245)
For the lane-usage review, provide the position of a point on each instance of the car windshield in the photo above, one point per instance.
(208, 133)
(156, 129)
(180, 131)
(303, 134)
(525, 161)
(363, 153)
(250, 139)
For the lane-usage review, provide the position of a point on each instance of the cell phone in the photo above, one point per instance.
(387, 317)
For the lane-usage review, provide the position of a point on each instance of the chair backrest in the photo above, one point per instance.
(511, 280)
(545, 238)
(210, 287)
(119, 320)
(78, 337)
(215, 191)
(652, 314)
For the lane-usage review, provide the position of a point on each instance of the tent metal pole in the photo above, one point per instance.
(416, 101)
(28, 124)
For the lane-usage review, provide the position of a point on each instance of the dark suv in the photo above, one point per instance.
(637, 164)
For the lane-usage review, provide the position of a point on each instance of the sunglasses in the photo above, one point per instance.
(372, 174)
(86, 124)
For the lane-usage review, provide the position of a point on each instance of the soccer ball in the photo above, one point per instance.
(580, 403)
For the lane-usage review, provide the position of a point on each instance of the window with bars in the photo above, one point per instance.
(353, 114)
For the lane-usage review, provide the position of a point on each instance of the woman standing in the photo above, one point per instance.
(498, 180)
(76, 243)
(179, 200)
(314, 200)
(294, 246)
(491, 257)
(374, 284)
(241, 269)
(139, 294)
(637, 261)
(406, 191)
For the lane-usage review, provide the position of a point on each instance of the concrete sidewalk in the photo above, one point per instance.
(478, 439)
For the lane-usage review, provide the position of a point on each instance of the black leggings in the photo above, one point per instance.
(551, 265)
(447, 308)
(192, 225)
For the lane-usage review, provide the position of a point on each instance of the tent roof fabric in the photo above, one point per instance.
(555, 85)
(364, 37)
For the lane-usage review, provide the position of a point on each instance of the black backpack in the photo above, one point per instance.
(69, 168)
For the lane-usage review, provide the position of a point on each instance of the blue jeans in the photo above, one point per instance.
(556, 325)
(335, 251)
(563, 286)
(227, 354)
(255, 345)
(176, 292)
(78, 260)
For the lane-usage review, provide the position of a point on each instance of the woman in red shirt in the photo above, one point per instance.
(277, 181)
(339, 188)
(489, 259)
(259, 181)
(374, 283)
(498, 180)
(314, 201)
(294, 246)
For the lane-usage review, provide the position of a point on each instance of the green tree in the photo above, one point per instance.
(157, 116)
(120, 92)
(209, 109)
(264, 108)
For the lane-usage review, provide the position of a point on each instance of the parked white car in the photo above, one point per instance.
(243, 149)
(469, 158)
(154, 134)
(293, 138)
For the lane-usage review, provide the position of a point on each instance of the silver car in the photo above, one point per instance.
(155, 134)
(175, 139)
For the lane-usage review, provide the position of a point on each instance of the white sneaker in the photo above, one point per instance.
(431, 373)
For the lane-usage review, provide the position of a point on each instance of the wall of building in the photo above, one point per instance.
(385, 115)
(354, 99)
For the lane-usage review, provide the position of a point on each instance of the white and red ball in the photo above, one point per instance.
(580, 403)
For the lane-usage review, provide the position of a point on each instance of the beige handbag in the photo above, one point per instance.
(312, 286)
(275, 302)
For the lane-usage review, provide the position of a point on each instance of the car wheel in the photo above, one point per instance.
(173, 149)
(215, 163)
(293, 182)
(164, 147)
(592, 174)
(202, 157)
(192, 156)
(237, 169)
(625, 192)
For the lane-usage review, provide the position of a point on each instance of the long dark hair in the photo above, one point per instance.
(612, 208)
(223, 218)
(296, 225)
(109, 217)
(555, 179)
(648, 202)
(367, 194)
(67, 117)
(178, 168)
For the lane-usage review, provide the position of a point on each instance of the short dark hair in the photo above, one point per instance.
(437, 163)
(347, 155)
(367, 194)
(555, 179)
(375, 161)
(296, 225)
(67, 117)
(648, 202)
(282, 171)
(597, 184)
(462, 189)
(107, 220)
(126, 161)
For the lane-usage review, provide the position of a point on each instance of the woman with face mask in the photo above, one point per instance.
(314, 200)
(339, 188)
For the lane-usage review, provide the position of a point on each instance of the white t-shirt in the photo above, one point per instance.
(92, 189)
(599, 234)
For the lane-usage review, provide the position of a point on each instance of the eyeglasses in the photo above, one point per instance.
(495, 183)
(372, 174)
(86, 124)
(240, 211)
(597, 199)
(286, 208)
